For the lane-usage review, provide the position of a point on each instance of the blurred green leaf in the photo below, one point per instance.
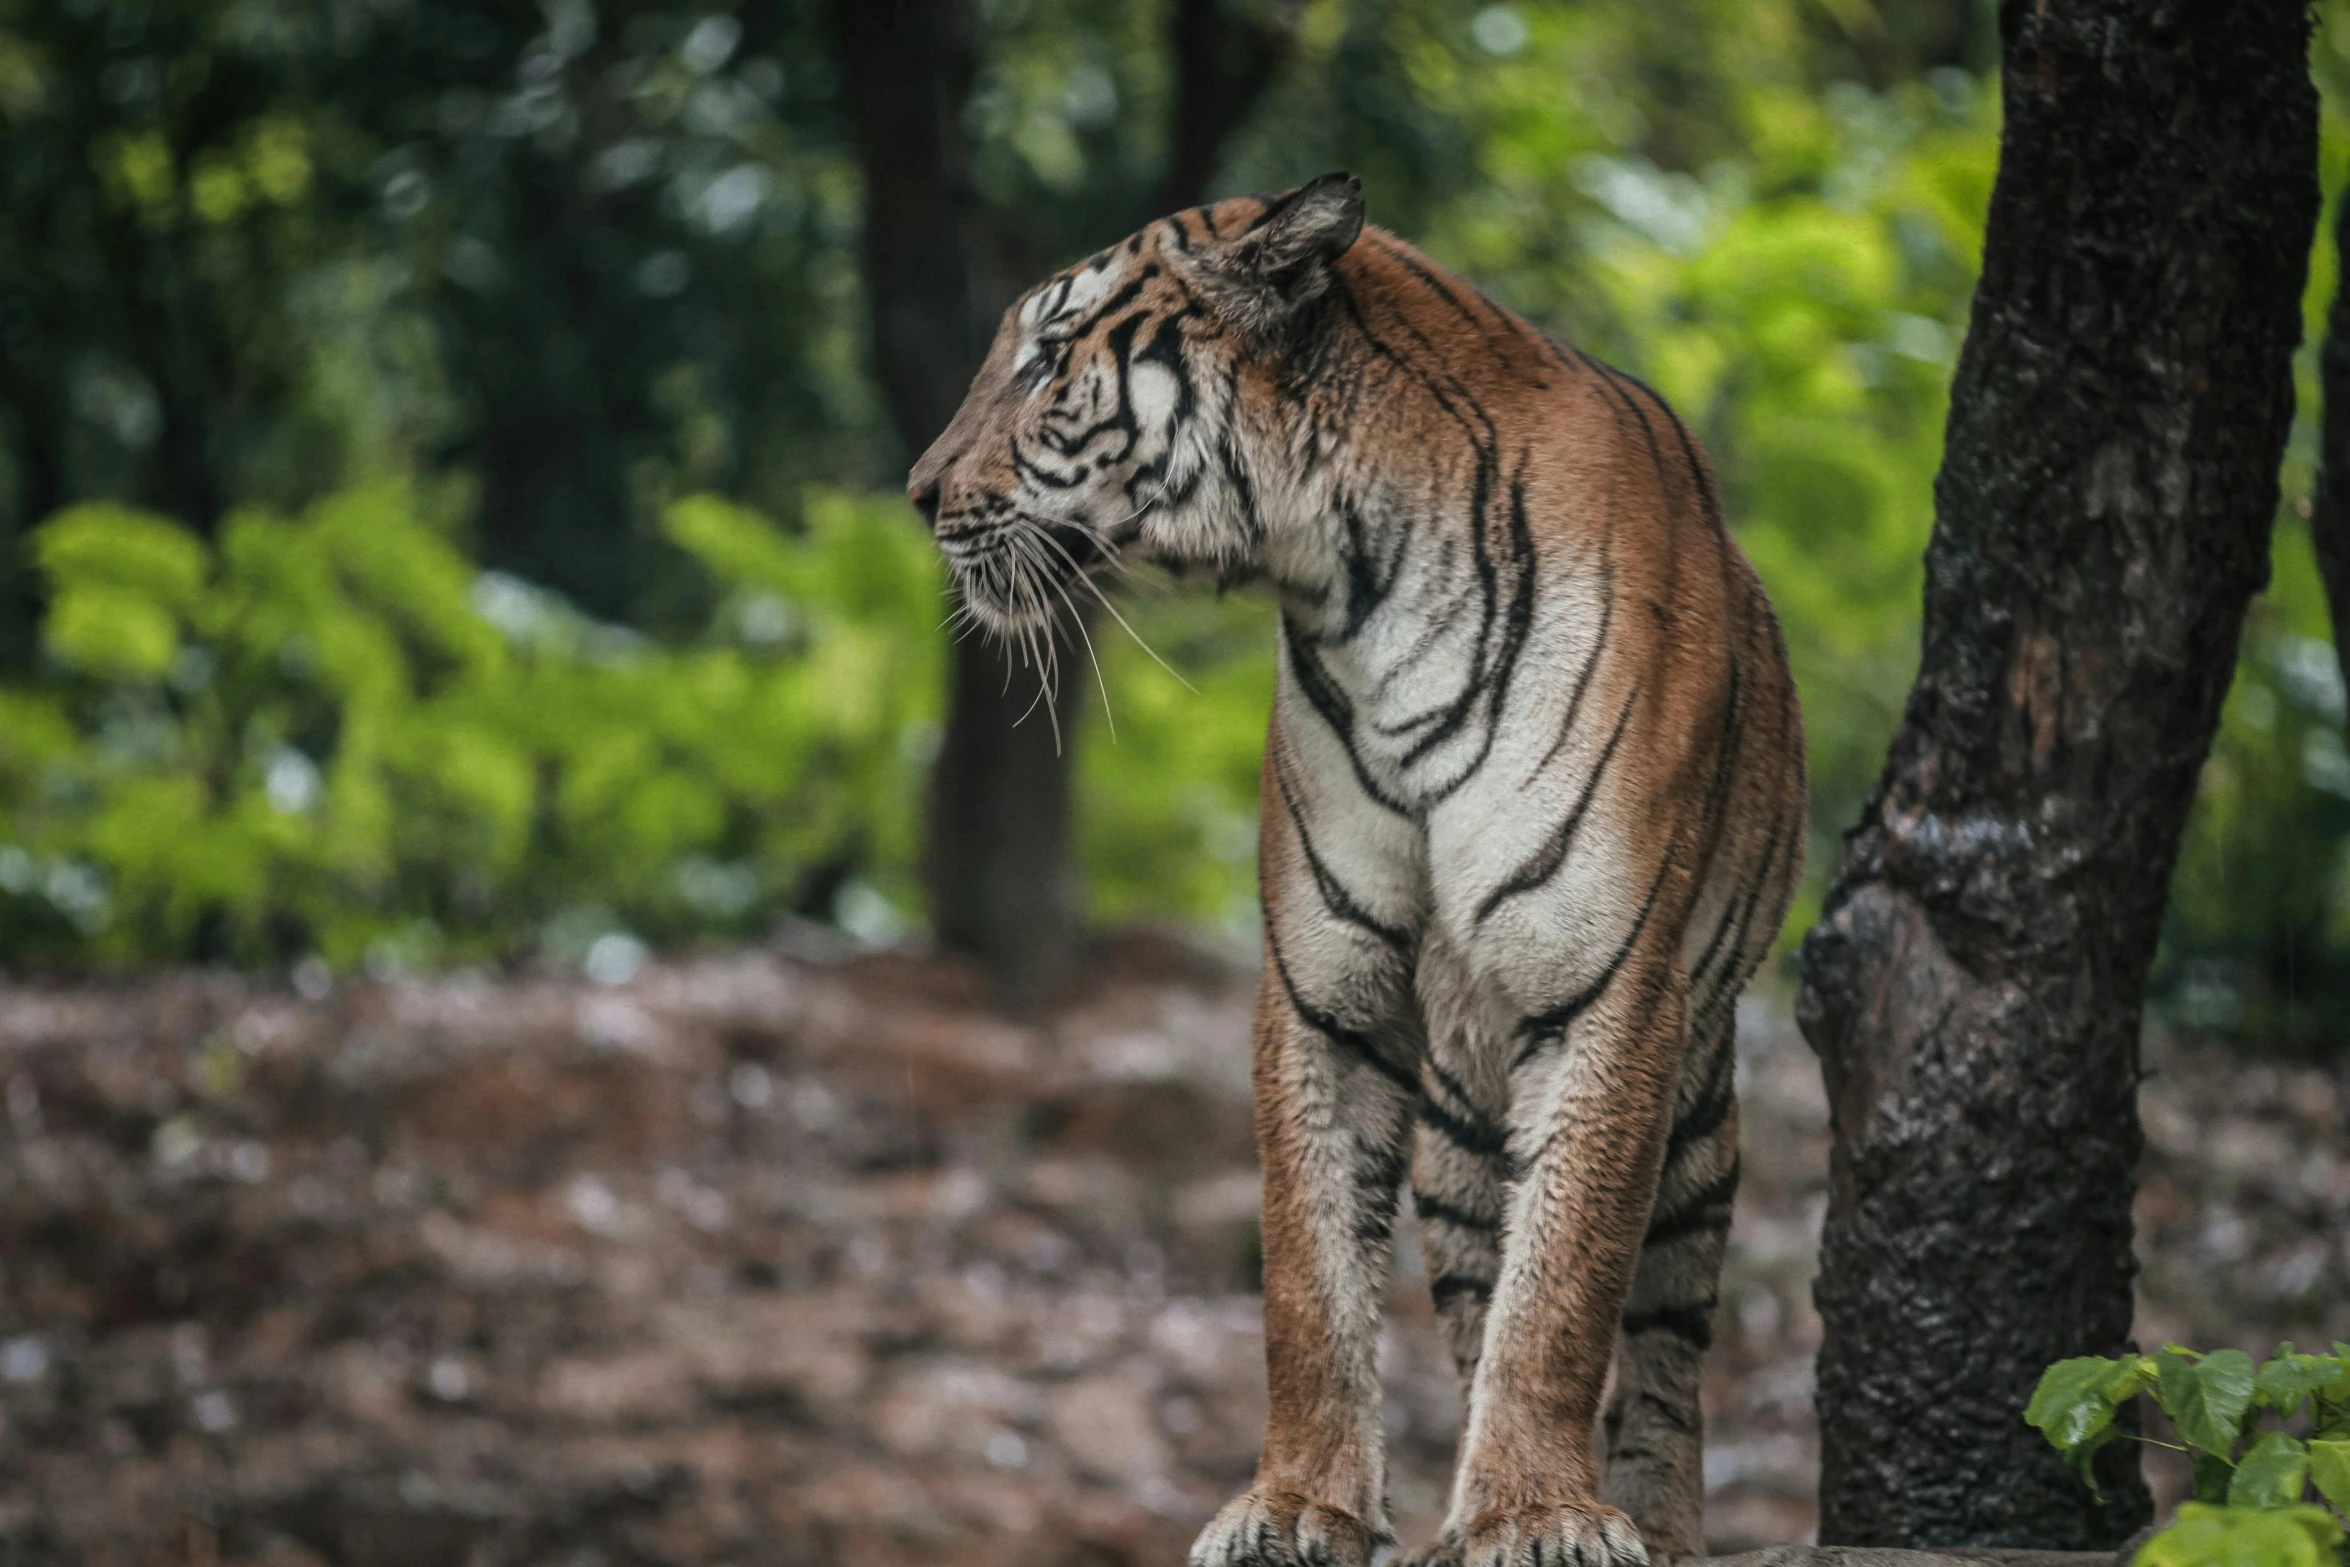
(2288, 1379)
(2329, 1471)
(103, 629)
(98, 544)
(2206, 1536)
(2271, 1472)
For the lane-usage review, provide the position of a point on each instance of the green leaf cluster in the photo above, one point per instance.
(2207, 1536)
(332, 733)
(2252, 1483)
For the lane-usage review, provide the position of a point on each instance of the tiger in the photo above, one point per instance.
(1533, 808)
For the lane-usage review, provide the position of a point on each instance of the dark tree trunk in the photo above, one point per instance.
(1002, 885)
(2329, 513)
(2101, 518)
(998, 862)
(38, 455)
(1223, 64)
(906, 69)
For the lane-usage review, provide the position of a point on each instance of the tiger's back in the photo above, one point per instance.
(1533, 809)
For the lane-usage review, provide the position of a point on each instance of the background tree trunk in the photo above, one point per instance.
(997, 858)
(1223, 64)
(2102, 517)
(2329, 512)
(1002, 880)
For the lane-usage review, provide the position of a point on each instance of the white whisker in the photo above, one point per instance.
(1095, 589)
(1047, 657)
(1099, 679)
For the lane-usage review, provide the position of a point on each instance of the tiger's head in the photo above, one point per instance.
(1124, 401)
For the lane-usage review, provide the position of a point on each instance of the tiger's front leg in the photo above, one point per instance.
(1333, 1117)
(1591, 1093)
(1337, 1048)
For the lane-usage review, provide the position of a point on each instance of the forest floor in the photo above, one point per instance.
(762, 1257)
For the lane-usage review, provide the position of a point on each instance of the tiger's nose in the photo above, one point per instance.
(925, 499)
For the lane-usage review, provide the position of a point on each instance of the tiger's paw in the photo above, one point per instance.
(1567, 1534)
(1284, 1529)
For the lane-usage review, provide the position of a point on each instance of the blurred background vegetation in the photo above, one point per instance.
(448, 512)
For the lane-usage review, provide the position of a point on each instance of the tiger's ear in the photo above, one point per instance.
(1282, 261)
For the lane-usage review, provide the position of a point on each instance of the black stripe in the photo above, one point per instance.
(1726, 756)
(1435, 631)
(1546, 861)
(1692, 1322)
(1723, 998)
(1709, 1109)
(1244, 490)
(1378, 1178)
(1679, 1416)
(1274, 206)
(1486, 666)
(1367, 584)
(1335, 897)
(1120, 341)
(1127, 293)
(1745, 908)
(1489, 666)
(1518, 623)
(1454, 714)
(1027, 469)
(1707, 1114)
(1381, 1169)
(1165, 349)
(1706, 498)
(1441, 284)
(1459, 1218)
(1543, 1028)
(1412, 264)
(1607, 615)
(1472, 1134)
(1451, 1084)
(1491, 684)
(1452, 1286)
(1715, 944)
(1327, 698)
(1337, 1033)
(1660, 976)
(1616, 378)
(1707, 1208)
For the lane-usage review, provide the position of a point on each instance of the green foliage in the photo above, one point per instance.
(331, 732)
(1169, 800)
(2251, 1483)
(2207, 1536)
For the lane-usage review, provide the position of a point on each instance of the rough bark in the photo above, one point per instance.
(999, 870)
(2329, 512)
(2102, 517)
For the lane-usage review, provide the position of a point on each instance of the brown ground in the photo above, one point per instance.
(764, 1259)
